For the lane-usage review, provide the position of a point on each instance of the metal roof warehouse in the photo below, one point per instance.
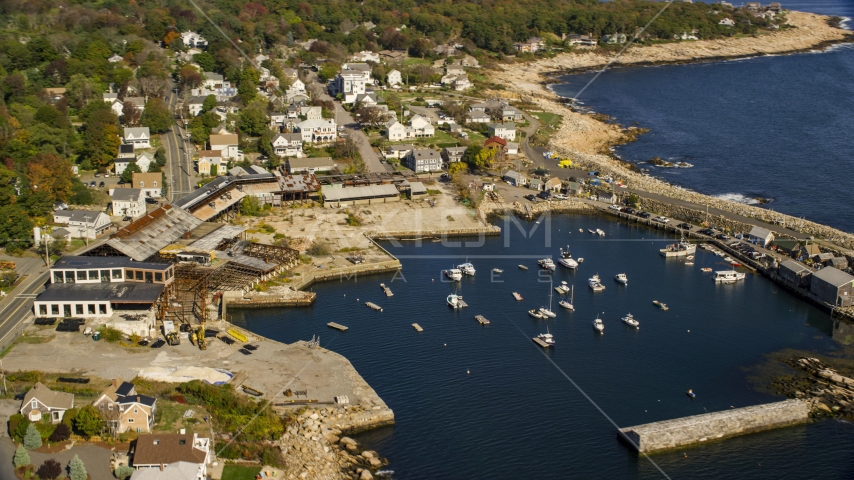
(366, 195)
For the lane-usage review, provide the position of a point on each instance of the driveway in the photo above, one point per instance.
(96, 459)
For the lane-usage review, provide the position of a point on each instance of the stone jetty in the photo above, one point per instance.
(699, 429)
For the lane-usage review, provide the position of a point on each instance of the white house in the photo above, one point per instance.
(128, 202)
(83, 223)
(151, 184)
(423, 160)
(116, 58)
(310, 165)
(215, 81)
(40, 401)
(288, 144)
(139, 137)
(210, 161)
(297, 86)
(419, 127)
(394, 78)
(351, 81)
(366, 56)
(116, 105)
(226, 144)
(143, 161)
(760, 236)
(193, 40)
(311, 113)
(506, 131)
(515, 178)
(318, 131)
(195, 105)
(478, 116)
(728, 22)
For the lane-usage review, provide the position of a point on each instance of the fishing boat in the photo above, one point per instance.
(595, 283)
(600, 232)
(466, 268)
(455, 301)
(630, 320)
(547, 337)
(562, 289)
(536, 314)
(546, 264)
(517, 296)
(523, 267)
(598, 325)
(681, 249)
(729, 276)
(621, 278)
(497, 270)
(566, 259)
(568, 305)
(661, 305)
(548, 311)
(454, 274)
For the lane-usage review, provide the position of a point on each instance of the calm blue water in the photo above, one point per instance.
(773, 127)
(515, 415)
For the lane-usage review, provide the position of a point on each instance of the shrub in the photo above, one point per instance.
(272, 456)
(266, 228)
(49, 470)
(76, 469)
(22, 458)
(32, 439)
(18, 426)
(123, 472)
(111, 334)
(319, 248)
(60, 434)
(45, 429)
(87, 421)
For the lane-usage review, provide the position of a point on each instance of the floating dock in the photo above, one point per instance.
(337, 326)
(660, 305)
(481, 319)
(417, 327)
(517, 296)
(540, 342)
(386, 290)
(374, 306)
(461, 303)
(699, 429)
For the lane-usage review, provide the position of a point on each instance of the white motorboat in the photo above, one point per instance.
(630, 320)
(536, 314)
(455, 301)
(466, 268)
(497, 270)
(546, 264)
(600, 232)
(581, 230)
(591, 231)
(547, 337)
(598, 325)
(568, 305)
(548, 311)
(595, 284)
(729, 276)
(454, 274)
(566, 259)
(621, 278)
(580, 260)
(562, 289)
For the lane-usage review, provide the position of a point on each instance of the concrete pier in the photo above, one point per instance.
(699, 429)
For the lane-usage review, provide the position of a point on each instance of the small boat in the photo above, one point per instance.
(706, 269)
(600, 232)
(689, 257)
(735, 263)
(562, 289)
(691, 393)
(729, 276)
(595, 284)
(621, 278)
(581, 230)
(466, 268)
(689, 262)
(568, 305)
(536, 314)
(591, 231)
(547, 337)
(497, 270)
(454, 274)
(630, 320)
(706, 246)
(661, 305)
(728, 259)
(455, 301)
(523, 267)
(548, 311)
(566, 259)
(517, 296)
(598, 325)
(581, 260)
(546, 264)
(681, 249)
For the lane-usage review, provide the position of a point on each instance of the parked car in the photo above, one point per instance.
(632, 211)
(97, 175)
(92, 184)
(661, 219)
(101, 185)
(722, 236)
(560, 196)
(644, 215)
(707, 231)
(684, 226)
(530, 197)
(545, 194)
(615, 207)
(159, 343)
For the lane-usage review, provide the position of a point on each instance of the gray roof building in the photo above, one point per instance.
(833, 286)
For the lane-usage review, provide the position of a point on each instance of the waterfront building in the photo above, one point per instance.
(833, 286)
(760, 236)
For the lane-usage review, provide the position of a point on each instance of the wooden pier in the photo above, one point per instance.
(417, 327)
(517, 296)
(374, 306)
(386, 290)
(337, 326)
(461, 303)
(540, 342)
(481, 319)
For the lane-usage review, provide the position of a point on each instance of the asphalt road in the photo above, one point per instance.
(21, 305)
(179, 164)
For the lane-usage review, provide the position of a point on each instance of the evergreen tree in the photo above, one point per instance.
(76, 469)
(32, 440)
(123, 472)
(22, 458)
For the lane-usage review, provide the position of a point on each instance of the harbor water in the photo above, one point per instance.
(474, 401)
(776, 127)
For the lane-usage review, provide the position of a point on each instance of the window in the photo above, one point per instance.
(81, 275)
(93, 274)
(102, 308)
(148, 277)
(130, 420)
(135, 410)
(69, 277)
(141, 184)
(105, 276)
(57, 277)
(158, 277)
(42, 309)
(129, 275)
(35, 404)
(117, 274)
(138, 429)
(91, 308)
(54, 309)
(154, 184)
(56, 415)
(139, 275)
(78, 309)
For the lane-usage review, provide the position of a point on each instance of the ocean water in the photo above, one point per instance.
(777, 127)
(476, 401)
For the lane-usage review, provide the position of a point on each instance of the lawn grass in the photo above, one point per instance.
(239, 472)
(167, 414)
(548, 119)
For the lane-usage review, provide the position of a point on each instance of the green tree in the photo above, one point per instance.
(132, 168)
(16, 229)
(250, 206)
(209, 103)
(22, 458)
(76, 469)
(253, 118)
(88, 421)
(32, 439)
(206, 61)
(327, 71)
(123, 472)
(156, 116)
(160, 156)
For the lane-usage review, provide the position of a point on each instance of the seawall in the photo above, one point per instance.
(699, 429)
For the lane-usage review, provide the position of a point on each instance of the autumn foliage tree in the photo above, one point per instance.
(50, 174)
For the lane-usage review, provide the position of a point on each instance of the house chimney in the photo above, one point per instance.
(137, 399)
(115, 382)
